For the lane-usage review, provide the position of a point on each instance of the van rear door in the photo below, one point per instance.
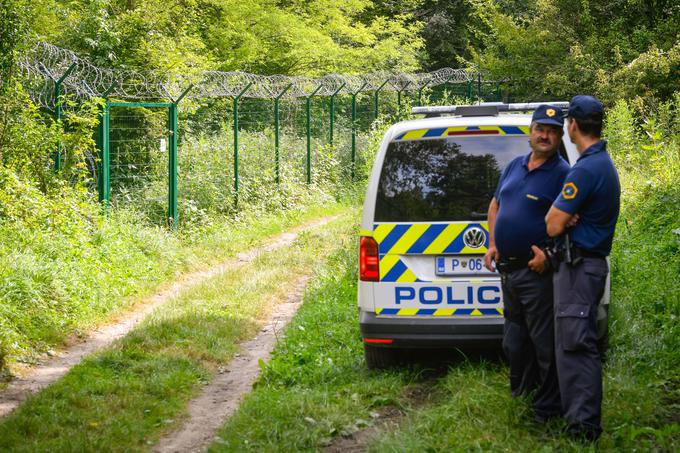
(430, 224)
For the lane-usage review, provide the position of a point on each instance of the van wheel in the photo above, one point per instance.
(603, 345)
(380, 358)
(603, 330)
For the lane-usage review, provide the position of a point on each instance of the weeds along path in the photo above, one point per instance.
(221, 398)
(47, 373)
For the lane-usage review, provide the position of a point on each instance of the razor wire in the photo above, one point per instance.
(46, 66)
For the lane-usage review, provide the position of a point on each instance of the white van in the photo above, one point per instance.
(424, 232)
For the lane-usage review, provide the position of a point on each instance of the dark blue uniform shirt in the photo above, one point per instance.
(592, 190)
(524, 198)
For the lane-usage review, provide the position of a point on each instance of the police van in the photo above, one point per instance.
(424, 230)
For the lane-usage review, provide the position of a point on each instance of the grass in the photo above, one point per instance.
(124, 398)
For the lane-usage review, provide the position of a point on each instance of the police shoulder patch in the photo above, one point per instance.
(569, 190)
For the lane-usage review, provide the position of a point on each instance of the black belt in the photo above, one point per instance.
(583, 253)
(512, 263)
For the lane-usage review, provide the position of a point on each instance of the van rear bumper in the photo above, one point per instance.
(431, 332)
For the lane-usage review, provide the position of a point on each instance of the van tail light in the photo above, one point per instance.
(379, 340)
(368, 260)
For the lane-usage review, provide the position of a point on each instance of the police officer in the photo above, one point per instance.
(591, 191)
(526, 189)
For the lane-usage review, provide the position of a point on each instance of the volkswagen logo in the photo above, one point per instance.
(474, 237)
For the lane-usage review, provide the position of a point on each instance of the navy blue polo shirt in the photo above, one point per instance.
(524, 198)
(592, 190)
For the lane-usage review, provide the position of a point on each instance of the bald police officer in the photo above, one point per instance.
(527, 188)
(591, 191)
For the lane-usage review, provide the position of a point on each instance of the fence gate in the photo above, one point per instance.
(138, 156)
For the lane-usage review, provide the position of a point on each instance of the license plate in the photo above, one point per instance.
(459, 264)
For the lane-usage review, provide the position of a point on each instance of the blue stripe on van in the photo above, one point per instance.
(427, 238)
(395, 272)
(392, 238)
(512, 130)
(436, 132)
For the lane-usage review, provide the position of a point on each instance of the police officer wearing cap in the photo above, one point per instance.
(525, 192)
(591, 191)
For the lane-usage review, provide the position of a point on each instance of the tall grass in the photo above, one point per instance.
(645, 143)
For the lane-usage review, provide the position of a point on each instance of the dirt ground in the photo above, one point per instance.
(220, 399)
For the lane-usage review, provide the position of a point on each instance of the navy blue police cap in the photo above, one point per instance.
(548, 114)
(583, 106)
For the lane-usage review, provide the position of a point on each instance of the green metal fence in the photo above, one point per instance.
(138, 141)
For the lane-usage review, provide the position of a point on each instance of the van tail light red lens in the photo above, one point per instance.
(368, 260)
(379, 340)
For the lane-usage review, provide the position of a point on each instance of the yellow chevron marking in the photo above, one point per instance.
(365, 233)
(476, 312)
(378, 310)
(447, 236)
(468, 251)
(386, 264)
(499, 310)
(418, 133)
(410, 236)
(454, 129)
(407, 312)
(524, 129)
(444, 312)
(382, 230)
(408, 276)
(492, 128)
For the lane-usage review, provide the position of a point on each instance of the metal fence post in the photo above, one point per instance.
(173, 127)
(399, 97)
(479, 87)
(332, 111)
(420, 93)
(375, 98)
(105, 143)
(58, 111)
(236, 99)
(354, 128)
(172, 165)
(309, 134)
(277, 132)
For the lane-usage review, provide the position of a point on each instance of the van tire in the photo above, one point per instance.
(380, 358)
(603, 330)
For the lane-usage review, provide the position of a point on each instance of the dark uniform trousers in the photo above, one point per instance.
(578, 290)
(528, 338)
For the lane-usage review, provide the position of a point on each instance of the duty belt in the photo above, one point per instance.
(512, 263)
(572, 254)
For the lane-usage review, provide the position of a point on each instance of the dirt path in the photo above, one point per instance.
(386, 419)
(40, 376)
(220, 399)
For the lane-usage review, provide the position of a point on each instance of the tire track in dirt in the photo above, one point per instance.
(221, 397)
(44, 374)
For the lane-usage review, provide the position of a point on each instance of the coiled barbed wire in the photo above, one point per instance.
(45, 65)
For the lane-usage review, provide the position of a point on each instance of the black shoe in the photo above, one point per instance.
(543, 418)
(584, 433)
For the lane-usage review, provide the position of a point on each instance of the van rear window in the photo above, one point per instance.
(444, 179)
